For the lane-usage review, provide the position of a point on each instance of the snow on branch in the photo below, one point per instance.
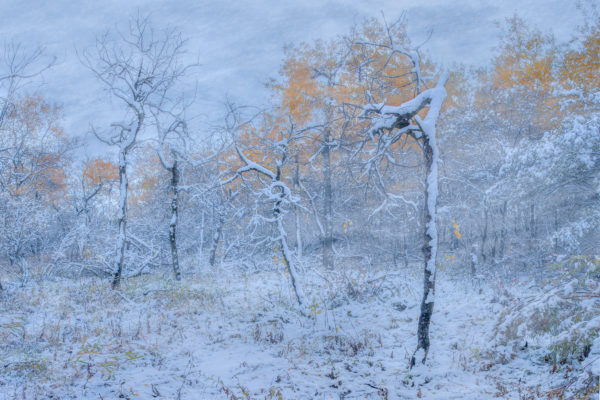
(398, 117)
(252, 166)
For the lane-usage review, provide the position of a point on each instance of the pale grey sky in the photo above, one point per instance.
(240, 43)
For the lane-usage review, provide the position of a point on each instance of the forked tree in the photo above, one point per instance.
(139, 68)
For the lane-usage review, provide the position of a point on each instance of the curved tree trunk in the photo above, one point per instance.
(127, 141)
(429, 251)
(284, 193)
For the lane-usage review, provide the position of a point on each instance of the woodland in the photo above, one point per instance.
(386, 228)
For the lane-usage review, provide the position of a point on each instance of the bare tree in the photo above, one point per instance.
(138, 67)
(392, 123)
(18, 67)
(389, 127)
(276, 191)
(282, 194)
(174, 140)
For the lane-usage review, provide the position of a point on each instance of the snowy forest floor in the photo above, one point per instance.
(230, 334)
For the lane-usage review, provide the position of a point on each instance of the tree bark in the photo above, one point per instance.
(429, 252)
(174, 218)
(473, 263)
(216, 239)
(297, 209)
(503, 230)
(127, 141)
(484, 235)
(532, 221)
(327, 202)
(201, 247)
(122, 238)
(287, 256)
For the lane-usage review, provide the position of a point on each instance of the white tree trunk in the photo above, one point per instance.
(122, 217)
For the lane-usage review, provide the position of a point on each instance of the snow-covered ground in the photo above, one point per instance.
(229, 334)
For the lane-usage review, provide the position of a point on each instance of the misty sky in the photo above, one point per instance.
(240, 44)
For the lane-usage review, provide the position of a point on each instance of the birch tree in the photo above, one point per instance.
(171, 150)
(138, 68)
(390, 123)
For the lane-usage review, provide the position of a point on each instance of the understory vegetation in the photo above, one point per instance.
(212, 336)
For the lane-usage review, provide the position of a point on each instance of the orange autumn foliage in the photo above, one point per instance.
(580, 69)
(523, 77)
(37, 142)
(100, 171)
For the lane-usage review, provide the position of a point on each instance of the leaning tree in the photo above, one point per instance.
(269, 182)
(388, 124)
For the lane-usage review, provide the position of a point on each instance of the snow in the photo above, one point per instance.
(386, 119)
(571, 287)
(560, 158)
(229, 332)
(595, 356)
(438, 94)
(252, 166)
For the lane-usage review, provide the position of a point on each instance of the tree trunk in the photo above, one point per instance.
(494, 245)
(216, 239)
(473, 263)
(174, 217)
(287, 257)
(283, 190)
(297, 210)
(122, 238)
(484, 234)
(201, 247)
(429, 249)
(503, 231)
(532, 221)
(327, 203)
(556, 230)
